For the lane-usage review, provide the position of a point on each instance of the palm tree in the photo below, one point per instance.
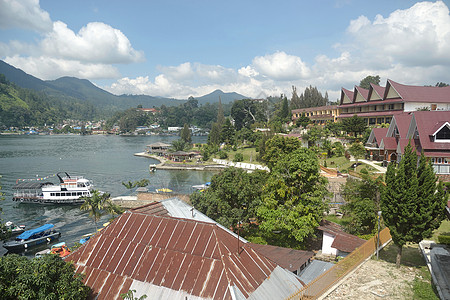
(98, 205)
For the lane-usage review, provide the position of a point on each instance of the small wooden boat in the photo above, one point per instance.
(152, 168)
(33, 237)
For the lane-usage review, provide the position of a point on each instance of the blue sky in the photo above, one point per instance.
(183, 48)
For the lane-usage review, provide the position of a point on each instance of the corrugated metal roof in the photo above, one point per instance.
(173, 258)
(287, 258)
(313, 270)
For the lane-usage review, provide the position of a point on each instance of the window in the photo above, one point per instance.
(443, 134)
(372, 121)
(433, 106)
(391, 107)
(52, 194)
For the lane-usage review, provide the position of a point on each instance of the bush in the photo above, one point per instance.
(238, 157)
(223, 155)
(444, 239)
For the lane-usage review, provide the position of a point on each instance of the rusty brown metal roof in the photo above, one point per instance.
(343, 241)
(154, 208)
(174, 258)
(287, 258)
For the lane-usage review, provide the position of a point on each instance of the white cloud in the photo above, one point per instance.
(96, 42)
(419, 35)
(26, 14)
(281, 66)
(45, 67)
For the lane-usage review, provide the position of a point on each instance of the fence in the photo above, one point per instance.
(325, 281)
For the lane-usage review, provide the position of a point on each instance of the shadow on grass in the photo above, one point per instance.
(411, 255)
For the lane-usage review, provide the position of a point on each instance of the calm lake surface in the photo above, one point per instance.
(106, 160)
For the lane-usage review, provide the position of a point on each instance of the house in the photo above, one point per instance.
(427, 131)
(318, 115)
(336, 241)
(158, 148)
(378, 105)
(165, 257)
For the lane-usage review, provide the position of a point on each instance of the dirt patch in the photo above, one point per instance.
(377, 280)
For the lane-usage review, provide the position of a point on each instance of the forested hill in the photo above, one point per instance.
(70, 89)
(21, 107)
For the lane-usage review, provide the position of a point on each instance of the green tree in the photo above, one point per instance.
(179, 145)
(294, 198)
(295, 99)
(412, 203)
(220, 115)
(185, 134)
(355, 125)
(441, 84)
(214, 135)
(277, 147)
(357, 150)
(285, 112)
(98, 205)
(227, 133)
(311, 97)
(234, 196)
(362, 203)
(314, 135)
(48, 277)
(303, 121)
(365, 83)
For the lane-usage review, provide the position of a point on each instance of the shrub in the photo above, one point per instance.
(223, 155)
(444, 239)
(238, 157)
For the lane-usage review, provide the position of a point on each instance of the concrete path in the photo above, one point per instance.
(380, 169)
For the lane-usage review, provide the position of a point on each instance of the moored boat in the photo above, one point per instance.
(33, 237)
(14, 229)
(70, 190)
(60, 249)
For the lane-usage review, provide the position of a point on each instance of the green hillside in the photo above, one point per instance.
(21, 107)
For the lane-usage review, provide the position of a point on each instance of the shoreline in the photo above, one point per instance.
(162, 164)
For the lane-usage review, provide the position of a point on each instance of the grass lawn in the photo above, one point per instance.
(444, 228)
(412, 257)
(249, 155)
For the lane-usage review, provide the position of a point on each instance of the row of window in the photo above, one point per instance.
(65, 194)
(368, 108)
(439, 160)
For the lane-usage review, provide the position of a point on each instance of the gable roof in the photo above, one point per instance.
(411, 93)
(360, 93)
(174, 258)
(427, 123)
(343, 241)
(376, 92)
(287, 258)
(379, 134)
(346, 94)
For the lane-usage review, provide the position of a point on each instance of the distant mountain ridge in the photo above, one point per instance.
(83, 90)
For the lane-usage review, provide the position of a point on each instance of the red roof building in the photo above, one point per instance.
(174, 258)
(319, 115)
(427, 131)
(336, 241)
(379, 104)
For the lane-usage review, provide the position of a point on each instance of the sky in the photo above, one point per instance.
(257, 48)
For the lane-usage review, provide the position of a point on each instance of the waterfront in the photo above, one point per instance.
(107, 160)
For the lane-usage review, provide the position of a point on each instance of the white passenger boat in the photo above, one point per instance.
(70, 190)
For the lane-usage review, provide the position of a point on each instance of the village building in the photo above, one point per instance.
(336, 242)
(171, 251)
(377, 105)
(318, 115)
(427, 131)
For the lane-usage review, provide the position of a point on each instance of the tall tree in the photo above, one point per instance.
(185, 134)
(293, 199)
(220, 114)
(365, 83)
(295, 100)
(278, 146)
(357, 150)
(311, 97)
(285, 112)
(214, 135)
(227, 134)
(412, 204)
(355, 125)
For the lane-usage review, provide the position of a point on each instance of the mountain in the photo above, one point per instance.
(74, 90)
(224, 97)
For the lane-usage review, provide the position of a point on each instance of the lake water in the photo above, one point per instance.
(106, 160)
